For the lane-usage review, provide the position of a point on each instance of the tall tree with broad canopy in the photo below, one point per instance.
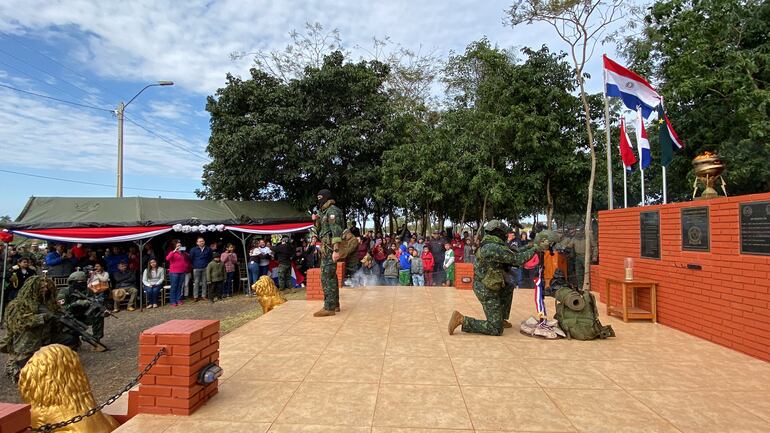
(580, 24)
(272, 139)
(710, 60)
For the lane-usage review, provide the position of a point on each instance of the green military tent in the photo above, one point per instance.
(102, 220)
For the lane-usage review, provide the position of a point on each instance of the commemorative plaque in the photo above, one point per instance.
(695, 229)
(755, 228)
(649, 225)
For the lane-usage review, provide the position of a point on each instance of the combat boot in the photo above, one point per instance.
(455, 321)
(507, 324)
(337, 309)
(323, 313)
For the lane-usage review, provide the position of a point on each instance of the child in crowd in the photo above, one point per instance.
(390, 267)
(427, 265)
(416, 268)
(449, 265)
(404, 273)
(215, 276)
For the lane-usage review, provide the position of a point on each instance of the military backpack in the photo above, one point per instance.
(577, 313)
(348, 246)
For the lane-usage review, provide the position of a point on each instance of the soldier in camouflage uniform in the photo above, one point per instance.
(328, 226)
(575, 244)
(88, 309)
(492, 260)
(31, 323)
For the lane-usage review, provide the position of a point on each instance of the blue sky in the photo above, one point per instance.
(99, 53)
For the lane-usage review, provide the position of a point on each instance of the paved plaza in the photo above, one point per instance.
(387, 365)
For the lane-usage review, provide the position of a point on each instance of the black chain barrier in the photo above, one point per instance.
(47, 428)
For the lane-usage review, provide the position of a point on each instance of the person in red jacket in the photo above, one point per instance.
(458, 247)
(178, 261)
(427, 265)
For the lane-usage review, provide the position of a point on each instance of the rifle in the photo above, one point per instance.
(77, 327)
(96, 307)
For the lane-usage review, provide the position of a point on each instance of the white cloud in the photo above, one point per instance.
(39, 134)
(169, 110)
(152, 40)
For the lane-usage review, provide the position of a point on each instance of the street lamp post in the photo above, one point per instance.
(119, 113)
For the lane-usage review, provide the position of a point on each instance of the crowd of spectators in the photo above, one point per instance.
(211, 272)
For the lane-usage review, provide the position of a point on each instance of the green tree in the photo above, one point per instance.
(579, 24)
(711, 60)
(271, 139)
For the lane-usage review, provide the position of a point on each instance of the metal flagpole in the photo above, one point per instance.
(663, 167)
(642, 171)
(609, 146)
(244, 237)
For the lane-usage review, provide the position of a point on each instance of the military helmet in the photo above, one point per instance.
(496, 225)
(77, 276)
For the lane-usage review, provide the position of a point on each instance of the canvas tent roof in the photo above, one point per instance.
(72, 212)
(99, 220)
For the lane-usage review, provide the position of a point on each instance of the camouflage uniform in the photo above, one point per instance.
(29, 328)
(88, 311)
(492, 259)
(328, 226)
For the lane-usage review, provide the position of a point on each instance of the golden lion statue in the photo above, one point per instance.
(267, 293)
(54, 384)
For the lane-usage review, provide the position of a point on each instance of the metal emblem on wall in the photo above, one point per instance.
(649, 233)
(695, 229)
(755, 228)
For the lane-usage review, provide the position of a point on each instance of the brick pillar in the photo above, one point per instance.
(171, 387)
(464, 276)
(313, 285)
(14, 418)
(340, 273)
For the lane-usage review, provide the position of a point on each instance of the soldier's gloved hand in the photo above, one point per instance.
(40, 318)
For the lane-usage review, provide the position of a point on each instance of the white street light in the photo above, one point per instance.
(119, 112)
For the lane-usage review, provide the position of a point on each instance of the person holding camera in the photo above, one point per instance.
(177, 260)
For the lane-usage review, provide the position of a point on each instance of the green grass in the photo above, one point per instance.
(231, 323)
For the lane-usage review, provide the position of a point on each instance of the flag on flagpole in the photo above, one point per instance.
(631, 88)
(626, 152)
(641, 140)
(540, 293)
(669, 141)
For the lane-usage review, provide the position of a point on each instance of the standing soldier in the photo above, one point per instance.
(493, 259)
(328, 226)
(87, 309)
(576, 244)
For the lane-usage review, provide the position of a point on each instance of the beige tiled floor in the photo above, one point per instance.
(387, 365)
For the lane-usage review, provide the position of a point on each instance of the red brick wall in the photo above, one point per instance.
(170, 387)
(14, 418)
(725, 302)
(340, 273)
(464, 270)
(313, 285)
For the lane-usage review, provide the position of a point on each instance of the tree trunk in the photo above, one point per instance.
(377, 222)
(484, 208)
(589, 203)
(549, 206)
